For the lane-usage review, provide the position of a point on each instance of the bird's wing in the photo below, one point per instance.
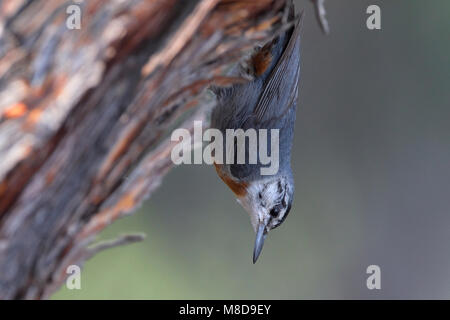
(280, 91)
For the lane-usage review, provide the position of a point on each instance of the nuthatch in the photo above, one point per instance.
(269, 101)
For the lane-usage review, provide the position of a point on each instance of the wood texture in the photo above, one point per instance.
(85, 115)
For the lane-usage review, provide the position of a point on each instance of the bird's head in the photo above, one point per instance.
(268, 202)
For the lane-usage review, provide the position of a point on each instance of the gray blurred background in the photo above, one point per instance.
(372, 169)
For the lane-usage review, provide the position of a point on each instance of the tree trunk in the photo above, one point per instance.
(85, 115)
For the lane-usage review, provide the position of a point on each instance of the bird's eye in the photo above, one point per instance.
(275, 211)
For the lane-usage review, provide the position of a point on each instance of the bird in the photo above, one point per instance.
(268, 101)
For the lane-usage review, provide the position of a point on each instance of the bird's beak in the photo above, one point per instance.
(261, 234)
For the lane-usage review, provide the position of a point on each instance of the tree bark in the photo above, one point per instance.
(85, 115)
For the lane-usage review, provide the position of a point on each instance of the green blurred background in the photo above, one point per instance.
(372, 168)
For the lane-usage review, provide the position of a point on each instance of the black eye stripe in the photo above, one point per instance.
(285, 214)
(279, 222)
(274, 212)
(280, 189)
